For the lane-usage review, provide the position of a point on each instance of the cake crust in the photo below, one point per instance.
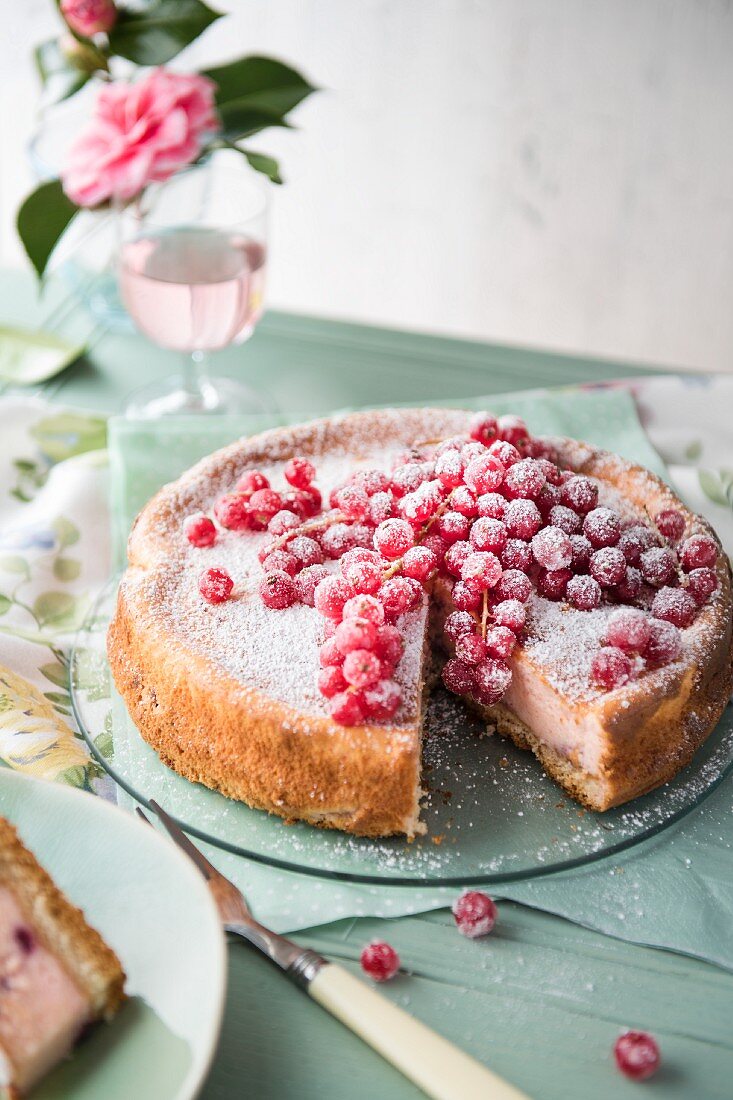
(216, 728)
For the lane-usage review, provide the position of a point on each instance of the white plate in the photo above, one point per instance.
(154, 909)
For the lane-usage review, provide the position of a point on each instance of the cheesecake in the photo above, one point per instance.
(57, 976)
(290, 600)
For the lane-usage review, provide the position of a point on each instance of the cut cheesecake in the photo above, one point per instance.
(57, 976)
(227, 695)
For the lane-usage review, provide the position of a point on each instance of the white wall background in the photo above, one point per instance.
(557, 173)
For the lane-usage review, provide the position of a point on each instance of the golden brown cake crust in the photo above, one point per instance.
(215, 728)
(61, 927)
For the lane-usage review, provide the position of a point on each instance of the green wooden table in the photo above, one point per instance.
(541, 1000)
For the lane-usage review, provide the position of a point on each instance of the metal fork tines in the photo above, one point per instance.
(235, 914)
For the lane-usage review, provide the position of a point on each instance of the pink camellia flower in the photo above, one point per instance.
(140, 133)
(88, 17)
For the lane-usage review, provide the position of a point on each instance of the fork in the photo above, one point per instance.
(435, 1065)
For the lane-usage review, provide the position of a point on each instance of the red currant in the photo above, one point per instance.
(420, 563)
(306, 582)
(552, 548)
(380, 961)
(347, 709)
(475, 914)
(382, 700)
(580, 494)
(458, 677)
(674, 605)
(488, 534)
(232, 512)
(670, 523)
(602, 527)
(393, 538)
(200, 530)
(698, 552)
(215, 585)
(330, 596)
(250, 482)
(610, 668)
(583, 592)
(510, 613)
(637, 1055)
(628, 629)
(701, 583)
(277, 590)
(484, 427)
(664, 643)
(361, 667)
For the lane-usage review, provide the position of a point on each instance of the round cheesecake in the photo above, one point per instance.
(227, 693)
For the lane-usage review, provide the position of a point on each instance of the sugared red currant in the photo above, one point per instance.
(698, 552)
(200, 530)
(637, 1055)
(583, 592)
(628, 629)
(277, 590)
(393, 538)
(380, 961)
(610, 668)
(475, 914)
(215, 585)
(552, 548)
(674, 605)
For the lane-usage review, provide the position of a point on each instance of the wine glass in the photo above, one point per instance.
(192, 268)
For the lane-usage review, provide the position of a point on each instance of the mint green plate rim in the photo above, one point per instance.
(712, 764)
(108, 855)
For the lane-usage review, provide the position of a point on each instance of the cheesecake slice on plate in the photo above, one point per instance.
(57, 975)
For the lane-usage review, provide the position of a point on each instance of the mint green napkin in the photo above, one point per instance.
(674, 892)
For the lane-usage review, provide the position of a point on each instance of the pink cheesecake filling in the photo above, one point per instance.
(571, 731)
(42, 1011)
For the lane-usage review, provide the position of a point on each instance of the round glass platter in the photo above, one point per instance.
(492, 814)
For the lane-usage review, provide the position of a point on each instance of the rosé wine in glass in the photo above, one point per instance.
(193, 289)
(191, 268)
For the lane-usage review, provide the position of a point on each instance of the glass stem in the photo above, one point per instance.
(193, 373)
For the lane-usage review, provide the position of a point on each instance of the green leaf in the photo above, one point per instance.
(60, 611)
(41, 221)
(693, 450)
(712, 487)
(66, 532)
(64, 435)
(239, 120)
(5, 604)
(27, 357)
(66, 569)
(52, 607)
(57, 673)
(259, 82)
(13, 563)
(104, 745)
(155, 33)
(261, 163)
(75, 777)
(58, 698)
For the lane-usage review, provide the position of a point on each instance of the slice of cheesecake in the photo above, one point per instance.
(57, 975)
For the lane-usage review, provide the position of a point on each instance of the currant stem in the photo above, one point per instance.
(322, 522)
(484, 614)
(397, 565)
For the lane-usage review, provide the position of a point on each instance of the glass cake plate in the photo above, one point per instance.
(492, 814)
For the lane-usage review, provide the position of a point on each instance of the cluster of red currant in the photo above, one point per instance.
(496, 518)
